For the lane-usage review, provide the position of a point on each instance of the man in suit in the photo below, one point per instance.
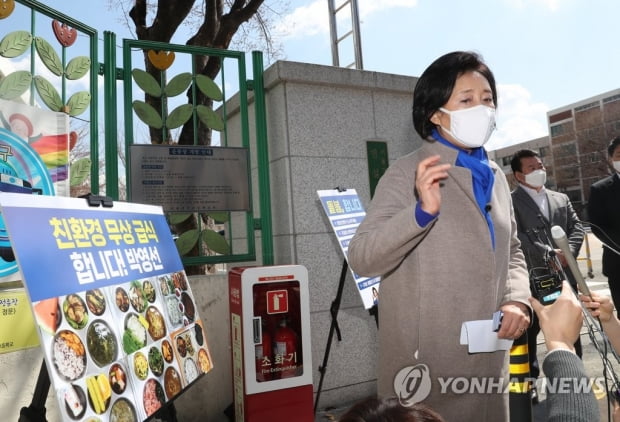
(604, 216)
(537, 209)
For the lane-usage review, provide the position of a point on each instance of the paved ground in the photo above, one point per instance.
(590, 264)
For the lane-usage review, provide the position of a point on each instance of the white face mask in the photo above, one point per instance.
(537, 178)
(472, 126)
(616, 165)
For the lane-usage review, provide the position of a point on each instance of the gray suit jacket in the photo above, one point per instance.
(534, 229)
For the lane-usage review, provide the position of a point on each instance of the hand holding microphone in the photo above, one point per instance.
(559, 237)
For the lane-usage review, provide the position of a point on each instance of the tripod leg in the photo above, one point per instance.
(36, 411)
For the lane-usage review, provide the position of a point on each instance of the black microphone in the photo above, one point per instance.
(488, 207)
(560, 239)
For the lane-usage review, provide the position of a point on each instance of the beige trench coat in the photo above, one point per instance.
(434, 279)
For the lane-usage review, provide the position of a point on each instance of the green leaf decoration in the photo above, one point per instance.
(216, 242)
(15, 84)
(77, 67)
(178, 84)
(15, 43)
(179, 116)
(187, 241)
(219, 217)
(48, 56)
(209, 118)
(148, 114)
(146, 82)
(79, 171)
(78, 103)
(48, 93)
(209, 88)
(178, 218)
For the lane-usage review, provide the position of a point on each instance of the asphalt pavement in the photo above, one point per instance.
(589, 262)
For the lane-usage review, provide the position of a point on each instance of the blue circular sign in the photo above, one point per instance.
(21, 171)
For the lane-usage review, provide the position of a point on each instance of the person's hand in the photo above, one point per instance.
(561, 321)
(599, 306)
(560, 254)
(429, 174)
(515, 321)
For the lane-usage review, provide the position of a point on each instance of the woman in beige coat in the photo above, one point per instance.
(441, 232)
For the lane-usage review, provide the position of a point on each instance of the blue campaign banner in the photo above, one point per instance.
(63, 246)
(345, 213)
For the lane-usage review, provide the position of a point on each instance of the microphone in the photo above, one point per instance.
(560, 239)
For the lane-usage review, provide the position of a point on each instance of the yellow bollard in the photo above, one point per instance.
(520, 382)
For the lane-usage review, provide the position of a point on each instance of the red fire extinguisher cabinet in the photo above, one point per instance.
(270, 338)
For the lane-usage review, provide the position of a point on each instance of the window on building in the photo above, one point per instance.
(557, 130)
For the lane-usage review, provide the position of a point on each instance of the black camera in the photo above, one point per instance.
(546, 287)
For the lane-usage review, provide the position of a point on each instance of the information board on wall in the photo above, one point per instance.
(116, 317)
(16, 322)
(345, 213)
(190, 178)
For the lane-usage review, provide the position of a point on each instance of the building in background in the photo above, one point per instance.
(579, 135)
(575, 152)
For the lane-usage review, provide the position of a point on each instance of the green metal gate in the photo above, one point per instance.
(70, 52)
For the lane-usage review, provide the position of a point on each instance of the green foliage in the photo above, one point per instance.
(177, 218)
(15, 44)
(215, 241)
(15, 84)
(77, 67)
(179, 116)
(79, 171)
(219, 217)
(146, 82)
(187, 241)
(209, 88)
(48, 93)
(178, 84)
(210, 118)
(148, 114)
(48, 56)
(78, 103)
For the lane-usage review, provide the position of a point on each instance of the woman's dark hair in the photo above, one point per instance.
(373, 409)
(436, 83)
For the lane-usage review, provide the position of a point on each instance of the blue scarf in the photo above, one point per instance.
(482, 176)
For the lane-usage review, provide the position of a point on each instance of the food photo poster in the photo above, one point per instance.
(116, 316)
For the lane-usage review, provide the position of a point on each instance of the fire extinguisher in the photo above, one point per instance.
(262, 351)
(285, 350)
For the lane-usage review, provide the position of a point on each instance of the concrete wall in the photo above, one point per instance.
(319, 120)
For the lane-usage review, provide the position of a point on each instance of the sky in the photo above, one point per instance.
(545, 54)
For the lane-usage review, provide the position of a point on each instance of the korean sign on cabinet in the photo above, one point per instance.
(116, 316)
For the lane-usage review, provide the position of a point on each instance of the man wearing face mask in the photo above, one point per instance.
(537, 209)
(604, 214)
